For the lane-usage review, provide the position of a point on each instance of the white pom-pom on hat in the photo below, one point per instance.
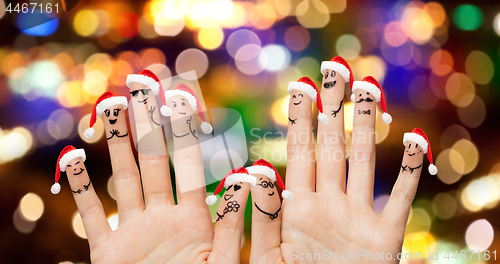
(287, 195)
(206, 128)
(166, 111)
(386, 118)
(211, 199)
(433, 170)
(89, 132)
(322, 118)
(56, 188)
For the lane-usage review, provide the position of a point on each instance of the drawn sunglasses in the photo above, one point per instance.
(136, 92)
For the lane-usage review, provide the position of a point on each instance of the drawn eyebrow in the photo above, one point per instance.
(77, 162)
(173, 102)
(183, 99)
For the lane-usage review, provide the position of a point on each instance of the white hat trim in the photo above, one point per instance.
(191, 99)
(417, 139)
(148, 81)
(240, 177)
(111, 101)
(306, 88)
(369, 87)
(69, 156)
(263, 170)
(338, 67)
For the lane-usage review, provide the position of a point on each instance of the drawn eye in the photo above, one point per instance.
(107, 112)
(333, 73)
(294, 96)
(409, 146)
(367, 93)
(183, 104)
(301, 95)
(175, 105)
(360, 94)
(326, 74)
(134, 93)
(416, 146)
(116, 111)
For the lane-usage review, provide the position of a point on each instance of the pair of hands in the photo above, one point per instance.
(321, 216)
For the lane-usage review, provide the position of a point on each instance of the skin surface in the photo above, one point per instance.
(77, 176)
(115, 124)
(324, 214)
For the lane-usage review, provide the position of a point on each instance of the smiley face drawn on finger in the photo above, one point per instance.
(413, 151)
(75, 167)
(141, 95)
(182, 110)
(330, 79)
(297, 102)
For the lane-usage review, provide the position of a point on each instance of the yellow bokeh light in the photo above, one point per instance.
(169, 22)
(447, 173)
(369, 65)
(99, 62)
(71, 94)
(77, 224)
(469, 153)
(436, 13)
(460, 90)
(210, 38)
(262, 16)
(312, 14)
(98, 126)
(86, 22)
(279, 111)
(444, 206)
(111, 188)
(95, 83)
(417, 25)
(221, 10)
(479, 67)
(419, 225)
(31, 207)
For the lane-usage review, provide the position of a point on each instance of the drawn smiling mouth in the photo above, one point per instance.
(297, 103)
(271, 194)
(329, 85)
(228, 196)
(180, 135)
(112, 121)
(411, 154)
(143, 101)
(182, 113)
(81, 170)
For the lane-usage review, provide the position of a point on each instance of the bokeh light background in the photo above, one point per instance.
(436, 62)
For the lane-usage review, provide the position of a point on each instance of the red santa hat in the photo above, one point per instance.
(339, 65)
(418, 136)
(148, 78)
(371, 85)
(184, 90)
(105, 101)
(67, 154)
(307, 86)
(239, 174)
(265, 168)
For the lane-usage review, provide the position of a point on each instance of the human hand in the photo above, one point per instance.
(152, 227)
(323, 216)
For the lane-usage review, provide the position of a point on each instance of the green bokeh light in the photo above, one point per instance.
(468, 17)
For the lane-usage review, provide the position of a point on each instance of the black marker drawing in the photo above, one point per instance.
(367, 99)
(412, 169)
(78, 173)
(335, 112)
(404, 167)
(116, 133)
(86, 187)
(292, 120)
(193, 131)
(364, 112)
(231, 206)
(179, 136)
(79, 191)
(301, 95)
(144, 92)
(151, 111)
(329, 85)
(272, 216)
(228, 196)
